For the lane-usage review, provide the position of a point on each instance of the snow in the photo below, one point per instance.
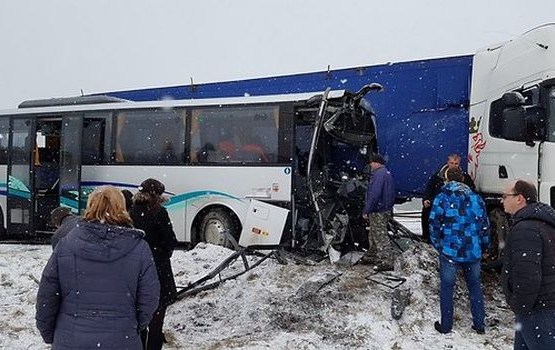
(274, 307)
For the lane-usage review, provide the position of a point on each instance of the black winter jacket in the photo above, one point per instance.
(161, 238)
(528, 276)
(437, 180)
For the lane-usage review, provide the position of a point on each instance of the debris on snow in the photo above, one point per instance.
(263, 308)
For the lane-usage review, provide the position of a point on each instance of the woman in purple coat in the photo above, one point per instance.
(99, 288)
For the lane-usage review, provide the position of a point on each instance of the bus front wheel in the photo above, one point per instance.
(215, 223)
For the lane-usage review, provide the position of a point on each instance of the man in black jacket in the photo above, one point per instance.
(433, 188)
(528, 277)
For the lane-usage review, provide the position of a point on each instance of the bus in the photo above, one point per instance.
(264, 170)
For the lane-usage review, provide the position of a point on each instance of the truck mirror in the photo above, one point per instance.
(513, 99)
(535, 123)
(514, 123)
(521, 122)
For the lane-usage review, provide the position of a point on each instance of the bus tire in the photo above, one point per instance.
(213, 225)
(499, 229)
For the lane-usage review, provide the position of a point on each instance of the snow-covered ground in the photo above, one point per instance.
(273, 307)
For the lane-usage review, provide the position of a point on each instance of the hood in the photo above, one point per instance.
(536, 211)
(455, 188)
(102, 242)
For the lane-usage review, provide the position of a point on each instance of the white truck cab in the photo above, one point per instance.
(512, 114)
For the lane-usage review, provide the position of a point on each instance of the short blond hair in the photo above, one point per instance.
(107, 205)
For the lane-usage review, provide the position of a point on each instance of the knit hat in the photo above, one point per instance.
(58, 214)
(152, 186)
(378, 158)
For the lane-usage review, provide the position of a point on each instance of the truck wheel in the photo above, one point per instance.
(213, 225)
(499, 228)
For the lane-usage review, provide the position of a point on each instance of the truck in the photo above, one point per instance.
(495, 108)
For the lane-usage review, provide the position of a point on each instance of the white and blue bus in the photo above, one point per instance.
(280, 158)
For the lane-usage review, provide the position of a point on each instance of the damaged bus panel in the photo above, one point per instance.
(333, 138)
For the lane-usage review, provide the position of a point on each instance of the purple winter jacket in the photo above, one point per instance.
(380, 193)
(98, 289)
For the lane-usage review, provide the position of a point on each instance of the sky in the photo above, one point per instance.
(63, 48)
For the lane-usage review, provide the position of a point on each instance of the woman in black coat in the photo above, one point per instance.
(149, 215)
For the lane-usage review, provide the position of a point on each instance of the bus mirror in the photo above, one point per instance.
(314, 100)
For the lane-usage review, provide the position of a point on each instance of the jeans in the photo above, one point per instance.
(535, 331)
(448, 273)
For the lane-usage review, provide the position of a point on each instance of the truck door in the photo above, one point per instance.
(510, 150)
(20, 198)
(70, 163)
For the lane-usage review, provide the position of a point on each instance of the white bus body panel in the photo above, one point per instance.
(518, 63)
(191, 189)
(263, 224)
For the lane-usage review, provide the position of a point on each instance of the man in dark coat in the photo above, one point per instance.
(149, 215)
(433, 188)
(378, 208)
(528, 276)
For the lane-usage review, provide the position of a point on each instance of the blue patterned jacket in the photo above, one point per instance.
(459, 224)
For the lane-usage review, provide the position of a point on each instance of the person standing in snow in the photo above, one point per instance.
(99, 287)
(63, 219)
(433, 188)
(378, 209)
(149, 215)
(459, 231)
(528, 276)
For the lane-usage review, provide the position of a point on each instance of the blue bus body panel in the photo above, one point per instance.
(421, 116)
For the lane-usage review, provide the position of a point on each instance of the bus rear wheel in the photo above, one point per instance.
(215, 223)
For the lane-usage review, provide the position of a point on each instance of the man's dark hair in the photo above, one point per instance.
(455, 175)
(527, 190)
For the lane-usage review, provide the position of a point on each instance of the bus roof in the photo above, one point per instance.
(62, 105)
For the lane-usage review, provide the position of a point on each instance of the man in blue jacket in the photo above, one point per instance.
(459, 231)
(528, 276)
(378, 208)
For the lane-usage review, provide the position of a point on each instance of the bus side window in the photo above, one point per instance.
(153, 136)
(93, 141)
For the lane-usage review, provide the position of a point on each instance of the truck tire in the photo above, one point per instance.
(499, 228)
(213, 225)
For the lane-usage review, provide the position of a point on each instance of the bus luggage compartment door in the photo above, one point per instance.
(264, 224)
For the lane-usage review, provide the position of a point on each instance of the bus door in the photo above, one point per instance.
(70, 163)
(20, 198)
